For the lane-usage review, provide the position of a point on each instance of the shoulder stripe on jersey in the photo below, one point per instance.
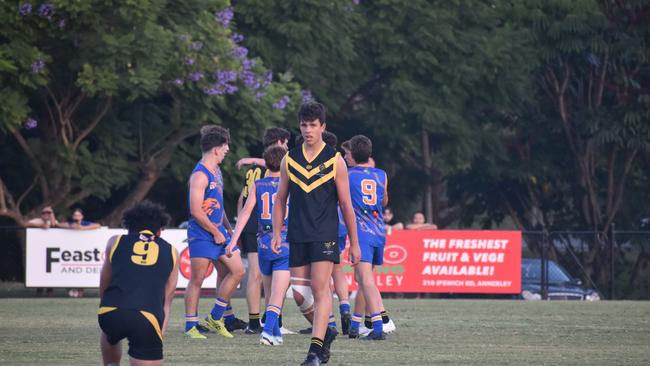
(117, 242)
(311, 172)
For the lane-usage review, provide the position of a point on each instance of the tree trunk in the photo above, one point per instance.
(428, 191)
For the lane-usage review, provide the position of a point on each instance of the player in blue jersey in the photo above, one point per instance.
(207, 234)
(274, 266)
(368, 190)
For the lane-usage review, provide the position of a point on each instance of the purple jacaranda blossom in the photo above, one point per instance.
(268, 79)
(30, 123)
(230, 89)
(215, 90)
(61, 23)
(195, 76)
(236, 37)
(225, 76)
(281, 103)
(24, 9)
(37, 66)
(250, 79)
(178, 82)
(239, 52)
(259, 95)
(224, 17)
(189, 61)
(306, 96)
(46, 11)
(356, 2)
(248, 64)
(196, 46)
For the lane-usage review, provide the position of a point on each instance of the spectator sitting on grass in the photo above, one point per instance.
(419, 223)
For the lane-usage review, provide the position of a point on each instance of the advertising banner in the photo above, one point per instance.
(448, 261)
(71, 258)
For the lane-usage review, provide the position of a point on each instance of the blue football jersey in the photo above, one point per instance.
(212, 206)
(367, 190)
(265, 192)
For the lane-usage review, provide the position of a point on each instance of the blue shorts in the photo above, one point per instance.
(268, 266)
(207, 249)
(372, 255)
(342, 242)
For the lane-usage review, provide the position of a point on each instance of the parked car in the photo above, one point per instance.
(561, 286)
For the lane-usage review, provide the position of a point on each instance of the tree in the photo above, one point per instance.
(76, 71)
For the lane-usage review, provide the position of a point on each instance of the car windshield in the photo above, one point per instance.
(531, 272)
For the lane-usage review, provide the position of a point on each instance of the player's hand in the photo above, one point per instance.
(276, 242)
(230, 248)
(355, 254)
(219, 239)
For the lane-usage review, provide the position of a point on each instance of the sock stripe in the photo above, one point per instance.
(317, 341)
(274, 309)
(376, 318)
(356, 318)
(345, 302)
(254, 316)
(221, 302)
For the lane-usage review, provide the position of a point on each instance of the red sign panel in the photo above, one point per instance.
(448, 261)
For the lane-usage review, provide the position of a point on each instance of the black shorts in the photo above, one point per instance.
(248, 243)
(303, 253)
(145, 339)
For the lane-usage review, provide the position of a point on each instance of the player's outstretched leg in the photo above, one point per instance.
(214, 320)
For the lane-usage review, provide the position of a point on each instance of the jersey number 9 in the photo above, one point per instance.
(145, 253)
(369, 190)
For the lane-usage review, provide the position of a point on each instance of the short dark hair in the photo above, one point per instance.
(361, 148)
(330, 139)
(273, 157)
(213, 136)
(145, 215)
(310, 111)
(346, 145)
(273, 135)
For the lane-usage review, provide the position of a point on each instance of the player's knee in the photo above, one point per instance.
(303, 296)
(238, 272)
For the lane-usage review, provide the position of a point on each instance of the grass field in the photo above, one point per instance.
(64, 331)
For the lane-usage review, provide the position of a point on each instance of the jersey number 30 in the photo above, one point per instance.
(145, 253)
(369, 190)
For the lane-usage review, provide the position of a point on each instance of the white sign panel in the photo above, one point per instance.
(74, 258)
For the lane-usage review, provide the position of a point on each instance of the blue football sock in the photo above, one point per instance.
(191, 321)
(219, 308)
(356, 320)
(332, 322)
(377, 324)
(344, 307)
(272, 314)
(228, 315)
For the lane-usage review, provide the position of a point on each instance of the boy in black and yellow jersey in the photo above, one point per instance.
(315, 176)
(136, 287)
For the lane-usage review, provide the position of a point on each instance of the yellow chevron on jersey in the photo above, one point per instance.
(303, 175)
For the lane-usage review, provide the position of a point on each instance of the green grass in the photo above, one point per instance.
(64, 331)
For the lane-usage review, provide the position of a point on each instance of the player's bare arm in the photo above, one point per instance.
(345, 202)
(244, 216)
(106, 274)
(280, 206)
(384, 202)
(170, 290)
(198, 183)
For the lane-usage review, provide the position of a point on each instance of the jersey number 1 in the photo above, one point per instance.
(266, 205)
(369, 190)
